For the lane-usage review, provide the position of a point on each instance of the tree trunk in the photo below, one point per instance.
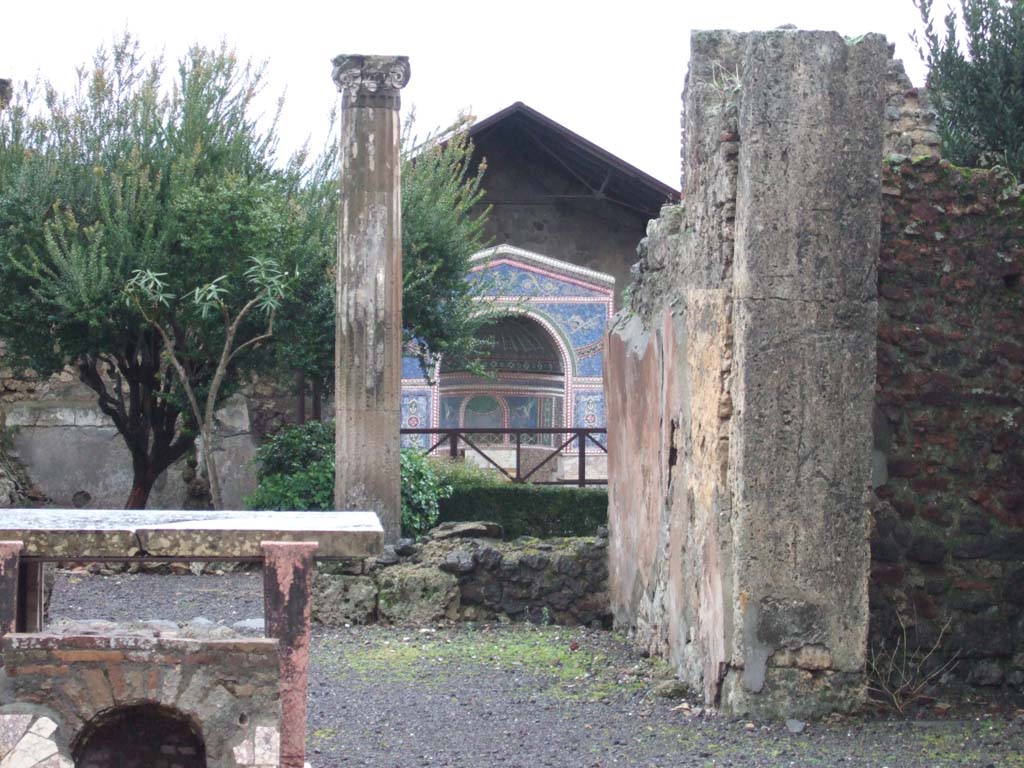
(141, 487)
(211, 464)
(318, 397)
(300, 392)
(135, 391)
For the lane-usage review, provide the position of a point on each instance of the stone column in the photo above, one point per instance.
(287, 576)
(10, 556)
(368, 341)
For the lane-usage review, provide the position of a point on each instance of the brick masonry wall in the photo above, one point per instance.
(948, 538)
(82, 677)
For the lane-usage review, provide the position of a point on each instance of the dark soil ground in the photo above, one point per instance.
(522, 696)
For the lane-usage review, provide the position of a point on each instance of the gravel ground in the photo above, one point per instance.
(521, 696)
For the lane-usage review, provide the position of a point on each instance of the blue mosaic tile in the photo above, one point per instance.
(583, 323)
(588, 408)
(580, 324)
(411, 368)
(416, 415)
(509, 280)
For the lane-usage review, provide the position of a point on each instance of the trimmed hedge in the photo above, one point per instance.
(530, 510)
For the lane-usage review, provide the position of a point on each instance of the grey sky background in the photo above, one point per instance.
(612, 72)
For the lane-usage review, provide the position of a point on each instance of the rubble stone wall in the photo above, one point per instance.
(910, 119)
(460, 573)
(948, 541)
(740, 380)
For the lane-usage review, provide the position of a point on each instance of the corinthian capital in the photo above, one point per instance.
(371, 81)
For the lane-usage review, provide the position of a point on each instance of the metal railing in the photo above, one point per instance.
(471, 436)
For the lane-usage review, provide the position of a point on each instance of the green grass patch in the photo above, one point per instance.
(583, 674)
(324, 734)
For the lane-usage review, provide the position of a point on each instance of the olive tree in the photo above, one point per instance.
(124, 178)
(977, 81)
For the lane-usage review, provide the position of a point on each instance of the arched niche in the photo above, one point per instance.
(144, 735)
(529, 369)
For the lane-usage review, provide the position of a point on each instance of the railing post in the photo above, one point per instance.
(582, 461)
(30, 597)
(453, 445)
(518, 445)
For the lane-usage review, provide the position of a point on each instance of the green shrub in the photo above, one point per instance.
(529, 510)
(293, 449)
(295, 470)
(459, 473)
(976, 79)
(421, 492)
(309, 489)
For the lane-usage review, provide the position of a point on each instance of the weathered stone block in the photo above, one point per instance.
(342, 599)
(416, 594)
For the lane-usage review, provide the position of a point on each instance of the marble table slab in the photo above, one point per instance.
(78, 533)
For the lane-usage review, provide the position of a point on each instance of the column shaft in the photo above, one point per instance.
(368, 344)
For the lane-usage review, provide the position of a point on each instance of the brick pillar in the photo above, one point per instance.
(287, 577)
(368, 341)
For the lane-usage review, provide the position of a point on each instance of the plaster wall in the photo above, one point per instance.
(74, 456)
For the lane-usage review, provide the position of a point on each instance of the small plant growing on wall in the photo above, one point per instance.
(900, 676)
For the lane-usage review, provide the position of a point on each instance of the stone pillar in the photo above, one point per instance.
(287, 577)
(368, 341)
(741, 385)
(808, 233)
(10, 556)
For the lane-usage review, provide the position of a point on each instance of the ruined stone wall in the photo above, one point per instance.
(461, 572)
(910, 119)
(948, 540)
(741, 383)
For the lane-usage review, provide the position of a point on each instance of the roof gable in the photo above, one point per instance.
(604, 175)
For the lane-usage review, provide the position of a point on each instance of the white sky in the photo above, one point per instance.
(614, 76)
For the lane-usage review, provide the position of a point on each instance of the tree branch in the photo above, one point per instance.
(257, 340)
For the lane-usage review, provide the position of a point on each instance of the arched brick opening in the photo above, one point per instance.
(140, 736)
